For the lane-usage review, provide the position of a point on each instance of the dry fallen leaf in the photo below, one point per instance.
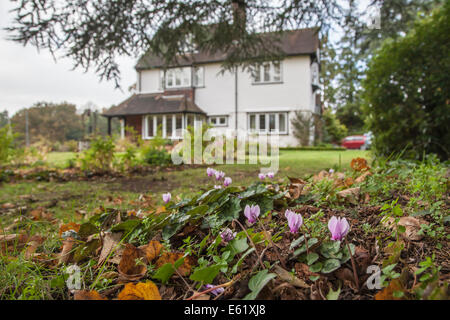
(140, 291)
(172, 257)
(351, 195)
(152, 250)
(32, 246)
(388, 292)
(69, 226)
(66, 252)
(290, 278)
(363, 177)
(40, 213)
(110, 242)
(87, 295)
(359, 164)
(130, 267)
(411, 224)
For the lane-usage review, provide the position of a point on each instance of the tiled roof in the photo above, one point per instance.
(292, 42)
(139, 104)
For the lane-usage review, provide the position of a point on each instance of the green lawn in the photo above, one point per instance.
(86, 195)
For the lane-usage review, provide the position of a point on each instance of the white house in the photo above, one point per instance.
(262, 100)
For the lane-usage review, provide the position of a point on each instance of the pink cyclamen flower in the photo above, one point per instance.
(215, 291)
(227, 181)
(252, 213)
(219, 175)
(217, 187)
(210, 172)
(261, 176)
(270, 175)
(227, 235)
(166, 197)
(295, 220)
(338, 228)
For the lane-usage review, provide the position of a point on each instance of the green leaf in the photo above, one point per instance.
(126, 226)
(87, 229)
(346, 254)
(333, 295)
(237, 246)
(241, 259)
(297, 242)
(164, 272)
(230, 210)
(302, 249)
(207, 274)
(257, 282)
(330, 265)
(316, 267)
(314, 278)
(330, 249)
(311, 258)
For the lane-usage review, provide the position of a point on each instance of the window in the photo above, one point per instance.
(218, 121)
(267, 72)
(315, 74)
(199, 77)
(178, 78)
(268, 122)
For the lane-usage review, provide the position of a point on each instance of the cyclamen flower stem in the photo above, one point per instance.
(273, 245)
(306, 240)
(355, 274)
(227, 284)
(251, 241)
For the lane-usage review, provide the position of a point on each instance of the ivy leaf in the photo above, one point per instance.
(257, 282)
(311, 258)
(330, 265)
(316, 267)
(302, 249)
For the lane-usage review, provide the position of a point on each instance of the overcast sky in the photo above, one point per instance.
(28, 76)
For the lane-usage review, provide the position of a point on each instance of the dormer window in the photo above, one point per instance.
(178, 78)
(267, 72)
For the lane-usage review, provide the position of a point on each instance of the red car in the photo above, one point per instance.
(354, 142)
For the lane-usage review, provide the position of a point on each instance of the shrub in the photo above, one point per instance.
(407, 91)
(333, 130)
(6, 144)
(100, 155)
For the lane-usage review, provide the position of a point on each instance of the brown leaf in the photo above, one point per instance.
(140, 291)
(363, 177)
(288, 277)
(87, 295)
(41, 214)
(69, 226)
(8, 205)
(152, 250)
(130, 269)
(110, 244)
(32, 246)
(388, 292)
(359, 164)
(412, 226)
(66, 252)
(351, 195)
(172, 257)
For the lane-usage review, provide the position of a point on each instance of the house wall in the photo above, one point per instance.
(217, 97)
